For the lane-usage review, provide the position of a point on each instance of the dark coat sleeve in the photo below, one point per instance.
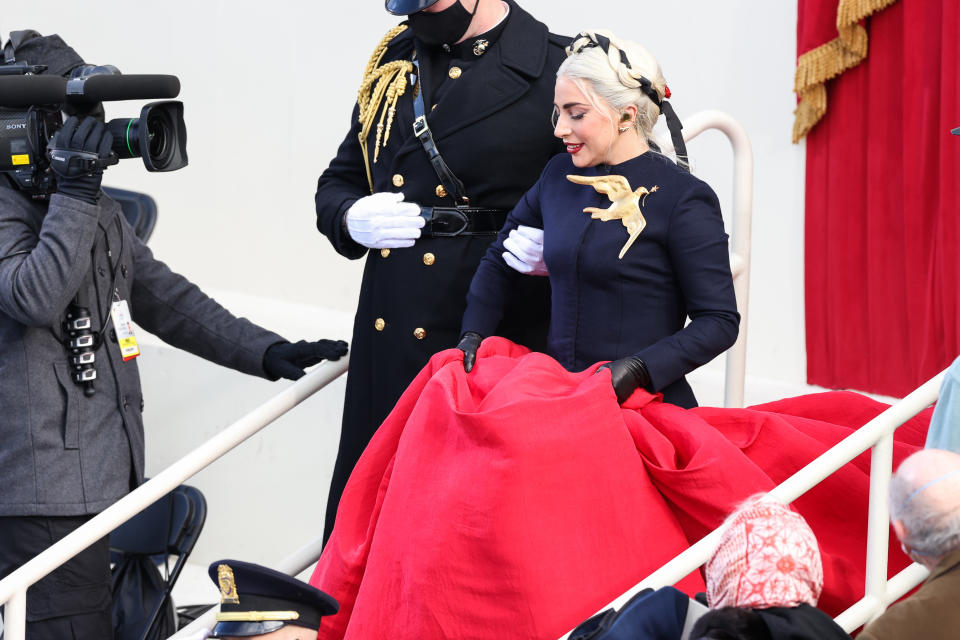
(340, 185)
(176, 310)
(697, 246)
(495, 280)
(43, 260)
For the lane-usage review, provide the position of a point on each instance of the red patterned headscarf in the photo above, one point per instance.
(768, 557)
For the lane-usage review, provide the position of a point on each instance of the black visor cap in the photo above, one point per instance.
(407, 7)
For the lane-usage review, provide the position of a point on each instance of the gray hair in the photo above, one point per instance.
(604, 75)
(932, 527)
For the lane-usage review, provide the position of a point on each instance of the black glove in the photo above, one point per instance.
(469, 343)
(628, 374)
(78, 154)
(288, 360)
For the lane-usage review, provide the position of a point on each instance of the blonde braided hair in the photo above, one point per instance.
(622, 73)
(380, 90)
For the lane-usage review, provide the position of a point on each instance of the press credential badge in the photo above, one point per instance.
(120, 312)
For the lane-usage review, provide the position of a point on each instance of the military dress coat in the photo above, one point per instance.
(63, 453)
(605, 307)
(490, 118)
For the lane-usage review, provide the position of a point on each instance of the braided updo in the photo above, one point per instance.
(620, 73)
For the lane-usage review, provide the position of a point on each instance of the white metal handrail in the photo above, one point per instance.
(876, 434)
(13, 588)
(694, 125)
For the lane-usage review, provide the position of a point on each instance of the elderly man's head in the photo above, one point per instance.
(925, 505)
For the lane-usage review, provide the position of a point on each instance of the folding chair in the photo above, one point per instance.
(139, 209)
(143, 608)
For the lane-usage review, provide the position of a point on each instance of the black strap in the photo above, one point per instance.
(421, 130)
(675, 127)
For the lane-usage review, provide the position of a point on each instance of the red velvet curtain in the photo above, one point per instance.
(882, 205)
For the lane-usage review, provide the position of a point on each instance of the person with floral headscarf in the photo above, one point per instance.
(765, 578)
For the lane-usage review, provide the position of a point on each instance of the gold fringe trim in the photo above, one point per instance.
(829, 60)
(380, 89)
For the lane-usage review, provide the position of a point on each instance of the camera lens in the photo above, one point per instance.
(159, 136)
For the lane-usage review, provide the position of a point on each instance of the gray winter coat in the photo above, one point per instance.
(62, 453)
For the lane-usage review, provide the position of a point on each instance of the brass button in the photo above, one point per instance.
(455, 72)
(433, 107)
(397, 180)
(419, 333)
(429, 259)
(384, 253)
(379, 324)
(440, 191)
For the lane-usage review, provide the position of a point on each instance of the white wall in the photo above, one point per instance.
(268, 89)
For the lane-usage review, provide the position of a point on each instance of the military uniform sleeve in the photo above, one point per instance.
(494, 280)
(699, 256)
(343, 183)
(173, 308)
(43, 260)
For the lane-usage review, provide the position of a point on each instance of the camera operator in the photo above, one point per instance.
(72, 276)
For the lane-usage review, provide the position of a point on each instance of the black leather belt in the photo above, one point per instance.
(448, 222)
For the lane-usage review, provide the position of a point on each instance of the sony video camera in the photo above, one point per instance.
(31, 107)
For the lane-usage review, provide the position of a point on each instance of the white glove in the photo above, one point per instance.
(524, 251)
(384, 221)
(203, 634)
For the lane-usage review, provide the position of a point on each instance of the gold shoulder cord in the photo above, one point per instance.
(380, 90)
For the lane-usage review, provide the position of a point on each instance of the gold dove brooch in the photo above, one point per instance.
(625, 203)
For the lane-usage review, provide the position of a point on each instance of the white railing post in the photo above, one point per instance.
(741, 222)
(15, 616)
(878, 524)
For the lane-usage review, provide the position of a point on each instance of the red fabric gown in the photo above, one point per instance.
(516, 501)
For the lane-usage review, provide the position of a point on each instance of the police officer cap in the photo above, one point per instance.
(255, 600)
(406, 7)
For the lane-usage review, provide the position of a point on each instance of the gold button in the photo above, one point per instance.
(433, 107)
(455, 72)
(379, 324)
(440, 191)
(419, 333)
(429, 259)
(384, 253)
(397, 180)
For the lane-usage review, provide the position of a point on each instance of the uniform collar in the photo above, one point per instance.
(524, 42)
(478, 45)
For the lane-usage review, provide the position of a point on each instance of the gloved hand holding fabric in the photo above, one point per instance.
(627, 375)
(384, 221)
(469, 343)
(288, 360)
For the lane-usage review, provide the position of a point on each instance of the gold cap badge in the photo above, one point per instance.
(228, 587)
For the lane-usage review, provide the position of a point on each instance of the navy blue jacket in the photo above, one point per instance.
(604, 308)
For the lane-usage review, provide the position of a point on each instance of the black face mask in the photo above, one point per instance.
(442, 27)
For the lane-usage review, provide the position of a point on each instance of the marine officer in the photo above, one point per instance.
(450, 129)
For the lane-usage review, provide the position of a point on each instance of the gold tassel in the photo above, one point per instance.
(380, 89)
(829, 60)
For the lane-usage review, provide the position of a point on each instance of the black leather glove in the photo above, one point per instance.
(628, 374)
(78, 154)
(288, 360)
(469, 343)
